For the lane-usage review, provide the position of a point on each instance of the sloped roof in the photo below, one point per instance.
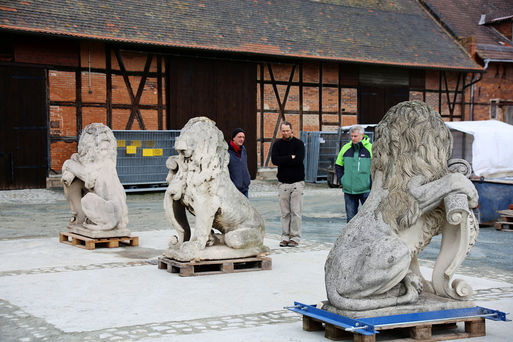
(392, 32)
(463, 18)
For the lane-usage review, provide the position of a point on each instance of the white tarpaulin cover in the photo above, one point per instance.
(492, 149)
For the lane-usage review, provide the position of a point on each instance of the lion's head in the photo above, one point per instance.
(97, 143)
(202, 147)
(411, 140)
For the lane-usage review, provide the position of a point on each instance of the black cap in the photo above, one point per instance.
(237, 131)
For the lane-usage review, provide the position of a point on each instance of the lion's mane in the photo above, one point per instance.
(89, 143)
(404, 147)
(210, 151)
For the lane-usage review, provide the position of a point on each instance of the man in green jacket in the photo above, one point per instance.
(353, 168)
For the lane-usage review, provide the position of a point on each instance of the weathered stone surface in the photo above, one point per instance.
(414, 196)
(98, 234)
(92, 187)
(227, 225)
(426, 302)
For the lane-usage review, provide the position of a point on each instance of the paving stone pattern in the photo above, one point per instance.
(18, 325)
(29, 328)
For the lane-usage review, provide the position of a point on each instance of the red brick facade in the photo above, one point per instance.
(319, 93)
(64, 99)
(319, 86)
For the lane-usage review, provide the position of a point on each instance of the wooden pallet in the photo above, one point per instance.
(206, 267)
(506, 221)
(440, 331)
(91, 243)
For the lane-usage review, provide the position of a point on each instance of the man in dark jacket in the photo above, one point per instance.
(238, 165)
(288, 154)
(353, 167)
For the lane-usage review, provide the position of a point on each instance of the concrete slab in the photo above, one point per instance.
(121, 296)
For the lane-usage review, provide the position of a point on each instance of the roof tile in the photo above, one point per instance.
(395, 32)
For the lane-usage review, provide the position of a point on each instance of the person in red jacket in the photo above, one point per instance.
(238, 165)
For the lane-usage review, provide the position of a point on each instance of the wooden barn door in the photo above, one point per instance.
(23, 128)
(224, 91)
(375, 101)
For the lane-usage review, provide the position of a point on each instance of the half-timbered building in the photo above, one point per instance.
(152, 65)
(485, 29)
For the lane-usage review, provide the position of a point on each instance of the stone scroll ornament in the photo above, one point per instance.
(415, 195)
(92, 187)
(226, 224)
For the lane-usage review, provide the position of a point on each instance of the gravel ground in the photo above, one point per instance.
(258, 188)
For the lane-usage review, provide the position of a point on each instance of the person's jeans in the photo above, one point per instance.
(352, 202)
(291, 205)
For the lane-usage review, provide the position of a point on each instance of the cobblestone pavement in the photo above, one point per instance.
(50, 210)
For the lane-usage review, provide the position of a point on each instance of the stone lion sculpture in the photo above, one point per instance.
(92, 187)
(414, 197)
(226, 224)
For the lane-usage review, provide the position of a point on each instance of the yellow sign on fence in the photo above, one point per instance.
(152, 152)
(131, 149)
(121, 143)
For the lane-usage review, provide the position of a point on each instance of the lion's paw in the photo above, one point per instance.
(173, 241)
(415, 281)
(90, 183)
(190, 249)
(67, 178)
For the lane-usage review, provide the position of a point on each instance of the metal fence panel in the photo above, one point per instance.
(327, 153)
(142, 155)
(311, 141)
(320, 148)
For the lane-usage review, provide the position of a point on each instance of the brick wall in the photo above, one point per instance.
(311, 105)
(62, 96)
(433, 95)
(62, 85)
(61, 151)
(496, 83)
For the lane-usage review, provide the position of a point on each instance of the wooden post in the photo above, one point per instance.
(161, 265)
(134, 241)
(114, 243)
(262, 117)
(227, 267)
(475, 327)
(108, 83)
(320, 96)
(310, 324)
(335, 333)
(187, 271)
(421, 332)
(89, 244)
(364, 338)
(267, 264)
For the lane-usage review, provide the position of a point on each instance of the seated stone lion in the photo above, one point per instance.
(414, 197)
(226, 224)
(91, 184)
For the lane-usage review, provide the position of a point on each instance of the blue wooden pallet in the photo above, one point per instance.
(371, 326)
